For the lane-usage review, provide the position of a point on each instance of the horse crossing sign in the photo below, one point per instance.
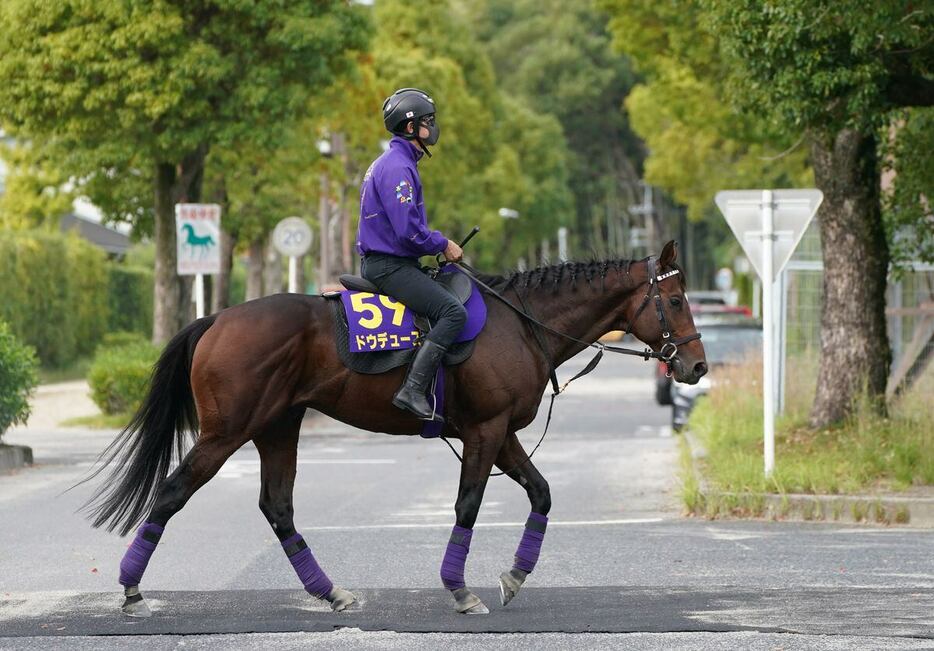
(198, 233)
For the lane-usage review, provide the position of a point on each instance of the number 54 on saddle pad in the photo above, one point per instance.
(377, 322)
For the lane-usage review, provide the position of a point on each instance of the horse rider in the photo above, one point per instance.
(393, 235)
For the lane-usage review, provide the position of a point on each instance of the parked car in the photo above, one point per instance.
(705, 314)
(725, 343)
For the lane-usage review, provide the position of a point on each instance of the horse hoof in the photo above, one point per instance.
(467, 603)
(135, 606)
(479, 609)
(340, 599)
(509, 584)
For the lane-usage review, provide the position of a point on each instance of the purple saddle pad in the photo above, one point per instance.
(377, 322)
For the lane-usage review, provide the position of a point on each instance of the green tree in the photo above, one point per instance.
(838, 72)
(557, 57)
(153, 87)
(698, 143)
(494, 151)
(18, 378)
(34, 191)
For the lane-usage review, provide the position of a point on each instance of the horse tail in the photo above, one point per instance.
(144, 449)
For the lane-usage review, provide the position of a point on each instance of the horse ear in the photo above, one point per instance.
(669, 254)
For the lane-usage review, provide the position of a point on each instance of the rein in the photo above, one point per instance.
(667, 352)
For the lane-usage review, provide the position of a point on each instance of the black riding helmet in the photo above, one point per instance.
(411, 105)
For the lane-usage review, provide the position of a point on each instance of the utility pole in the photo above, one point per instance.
(324, 209)
(646, 210)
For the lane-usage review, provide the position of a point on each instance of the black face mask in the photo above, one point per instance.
(434, 131)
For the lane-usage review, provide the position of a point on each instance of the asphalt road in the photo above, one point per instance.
(619, 568)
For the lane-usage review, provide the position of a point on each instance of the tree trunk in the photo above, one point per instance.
(272, 270)
(254, 269)
(855, 353)
(221, 294)
(166, 292)
(172, 293)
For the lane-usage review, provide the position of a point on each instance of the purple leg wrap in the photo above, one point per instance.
(137, 556)
(452, 567)
(314, 579)
(531, 544)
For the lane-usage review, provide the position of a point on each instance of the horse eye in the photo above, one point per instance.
(675, 301)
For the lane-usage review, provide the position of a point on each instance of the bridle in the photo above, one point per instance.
(669, 348)
(666, 353)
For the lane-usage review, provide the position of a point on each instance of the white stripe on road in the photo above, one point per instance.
(446, 525)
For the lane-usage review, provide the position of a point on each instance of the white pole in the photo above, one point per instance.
(756, 291)
(768, 332)
(563, 244)
(293, 275)
(781, 340)
(199, 296)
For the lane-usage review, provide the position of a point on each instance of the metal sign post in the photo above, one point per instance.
(198, 251)
(292, 237)
(769, 224)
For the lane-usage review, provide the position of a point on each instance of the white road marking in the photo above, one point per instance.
(733, 536)
(480, 525)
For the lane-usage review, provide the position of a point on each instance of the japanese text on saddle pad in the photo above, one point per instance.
(377, 322)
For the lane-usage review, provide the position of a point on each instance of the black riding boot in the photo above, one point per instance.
(412, 395)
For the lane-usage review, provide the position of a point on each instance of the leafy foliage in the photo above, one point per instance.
(556, 57)
(18, 378)
(125, 90)
(824, 65)
(909, 216)
(34, 193)
(129, 299)
(60, 295)
(699, 142)
(119, 375)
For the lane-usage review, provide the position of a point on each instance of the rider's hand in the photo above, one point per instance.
(453, 253)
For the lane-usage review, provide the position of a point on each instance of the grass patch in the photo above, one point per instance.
(77, 370)
(866, 453)
(99, 421)
(691, 495)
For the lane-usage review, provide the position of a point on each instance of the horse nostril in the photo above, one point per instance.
(700, 369)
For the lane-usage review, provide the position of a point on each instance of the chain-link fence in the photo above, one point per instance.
(909, 308)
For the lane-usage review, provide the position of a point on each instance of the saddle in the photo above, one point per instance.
(458, 284)
(375, 333)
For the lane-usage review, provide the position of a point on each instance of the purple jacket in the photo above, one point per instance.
(392, 210)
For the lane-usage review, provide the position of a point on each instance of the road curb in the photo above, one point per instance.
(14, 456)
(917, 512)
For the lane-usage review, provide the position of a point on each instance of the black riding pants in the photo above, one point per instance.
(404, 280)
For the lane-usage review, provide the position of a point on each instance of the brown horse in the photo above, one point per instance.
(250, 372)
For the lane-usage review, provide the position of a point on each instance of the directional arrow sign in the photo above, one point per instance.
(791, 210)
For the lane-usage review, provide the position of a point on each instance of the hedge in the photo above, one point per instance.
(130, 300)
(119, 375)
(18, 378)
(61, 294)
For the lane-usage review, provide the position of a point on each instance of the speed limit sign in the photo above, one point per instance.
(292, 237)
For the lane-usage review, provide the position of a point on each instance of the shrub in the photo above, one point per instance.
(119, 375)
(60, 294)
(36, 290)
(130, 299)
(122, 338)
(87, 292)
(18, 378)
